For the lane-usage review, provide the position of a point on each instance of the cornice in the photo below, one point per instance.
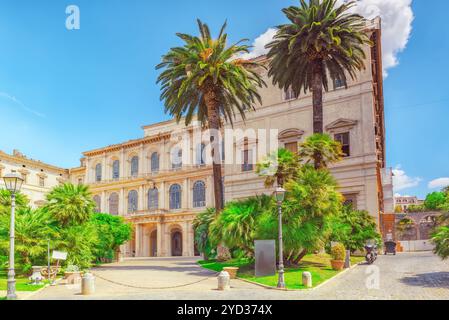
(31, 162)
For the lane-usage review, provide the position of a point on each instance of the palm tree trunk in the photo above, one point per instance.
(214, 124)
(317, 98)
(301, 255)
(317, 101)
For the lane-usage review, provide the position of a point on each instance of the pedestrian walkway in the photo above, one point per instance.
(404, 276)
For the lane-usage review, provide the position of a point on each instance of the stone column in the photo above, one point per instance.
(122, 163)
(138, 240)
(185, 194)
(189, 203)
(162, 196)
(142, 161)
(87, 174)
(122, 202)
(104, 172)
(167, 240)
(209, 191)
(104, 203)
(160, 249)
(141, 200)
(185, 239)
(191, 243)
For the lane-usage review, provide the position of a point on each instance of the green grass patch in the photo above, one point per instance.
(22, 283)
(317, 264)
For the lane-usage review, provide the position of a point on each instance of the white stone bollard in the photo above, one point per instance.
(224, 281)
(88, 284)
(307, 279)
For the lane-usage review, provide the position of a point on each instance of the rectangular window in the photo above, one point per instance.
(350, 200)
(343, 138)
(292, 147)
(247, 161)
(41, 182)
(289, 94)
(338, 83)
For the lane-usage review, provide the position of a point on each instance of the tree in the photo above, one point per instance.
(311, 200)
(201, 226)
(279, 167)
(354, 228)
(441, 240)
(435, 200)
(237, 223)
(322, 42)
(5, 201)
(112, 232)
(320, 149)
(205, 78)
(80, 242)
(33, 229)
(70, 204)
(398, 209)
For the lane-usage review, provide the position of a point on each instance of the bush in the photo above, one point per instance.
(435, 200)
(338, 252)
(353, 228)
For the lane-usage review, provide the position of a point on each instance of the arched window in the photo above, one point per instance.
(199, 194)
(176, 158)
(155, 162)
(116, 169)
(200, 156)
(153, 199)
(134, 166)
(132, 201)
(97, 200)
(175, 196)
(113, 204)
(98, 170)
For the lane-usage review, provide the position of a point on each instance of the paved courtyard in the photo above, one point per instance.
(405, 276)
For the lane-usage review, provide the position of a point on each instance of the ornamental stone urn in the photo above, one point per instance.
(36, 278)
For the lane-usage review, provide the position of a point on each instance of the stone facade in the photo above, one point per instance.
(124, 177)
(39, 177)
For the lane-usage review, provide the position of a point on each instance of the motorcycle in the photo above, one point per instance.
(371, 253)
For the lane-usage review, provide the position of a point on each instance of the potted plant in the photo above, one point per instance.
(338, 254)
(72, 274)
(232, 271)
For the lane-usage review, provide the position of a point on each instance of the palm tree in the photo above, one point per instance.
(322, 42)
(205, 78)
(70, 204)
(5, 201)
(321, 149)
(278, 167)
(33, 229)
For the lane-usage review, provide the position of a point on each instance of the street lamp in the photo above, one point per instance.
(13, 183)
(280, 195)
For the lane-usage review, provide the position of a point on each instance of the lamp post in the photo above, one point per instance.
(13, 183)
(280, 195)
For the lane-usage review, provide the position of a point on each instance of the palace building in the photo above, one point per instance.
(39, 177)
(161, 181)
(160, 185)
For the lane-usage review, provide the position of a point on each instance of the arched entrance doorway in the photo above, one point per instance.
(153, 244)
(176, 243)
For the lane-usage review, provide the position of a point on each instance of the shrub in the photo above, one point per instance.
(338, 252)
(435, 200)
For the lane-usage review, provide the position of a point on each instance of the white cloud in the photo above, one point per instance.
(439, 183)
(21, 104)
(402, 181)
(260, 43)
(397, 17)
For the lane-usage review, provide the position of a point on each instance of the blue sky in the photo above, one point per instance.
(63, 92)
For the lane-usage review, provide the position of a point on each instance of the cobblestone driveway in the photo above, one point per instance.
(405, 276)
